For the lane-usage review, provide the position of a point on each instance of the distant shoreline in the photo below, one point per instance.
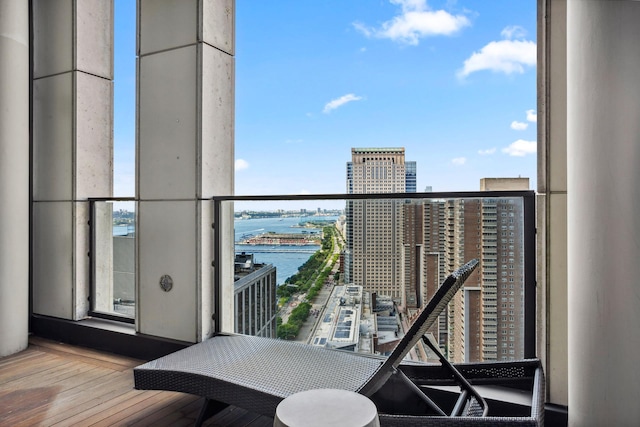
(242, 215)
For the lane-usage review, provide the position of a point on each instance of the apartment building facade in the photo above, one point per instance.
(374, 240)
(255, 300)
(485, 320)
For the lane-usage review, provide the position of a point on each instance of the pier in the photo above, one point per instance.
(263, 249)
(278, 239)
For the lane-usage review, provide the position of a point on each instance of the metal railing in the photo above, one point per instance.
(421, 237)
(113, 259)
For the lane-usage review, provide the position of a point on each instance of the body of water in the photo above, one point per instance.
(286, 259)
(124, 230)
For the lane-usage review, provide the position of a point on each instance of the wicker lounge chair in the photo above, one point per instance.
(258, 373)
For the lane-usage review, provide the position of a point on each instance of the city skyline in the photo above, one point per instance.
(402, 249)
(453, 82)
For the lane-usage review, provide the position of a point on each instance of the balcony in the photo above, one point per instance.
(58, 384)
(571, 126)
(113, 329)
(52, 383)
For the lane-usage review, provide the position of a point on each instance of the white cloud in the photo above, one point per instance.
(241, 164)
(338, 102)
(487, 151)
(532, 116)
(520, 148)
(506, 56)
(363, 29)
(459, 161)
(513, 32)
(415, 22)
(519, 125)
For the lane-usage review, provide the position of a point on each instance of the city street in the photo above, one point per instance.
(318, 304)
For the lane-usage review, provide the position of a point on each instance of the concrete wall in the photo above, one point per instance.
(589, 104)
(72, 145)
(503, 184)
(185, 118)
(124, 268)
(184, 157)
(14, 175)
(103, 256)
(603, 171)
(551, 201)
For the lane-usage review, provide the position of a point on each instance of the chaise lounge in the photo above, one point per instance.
(258, 373)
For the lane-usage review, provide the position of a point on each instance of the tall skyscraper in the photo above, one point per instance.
(485, 320)
(405, 248)
(374, 252)
(411, 176)
(503, 271)
(463, 235)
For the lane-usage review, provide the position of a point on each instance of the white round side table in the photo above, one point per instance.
(326, 407)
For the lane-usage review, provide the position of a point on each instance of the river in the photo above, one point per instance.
(286, 259)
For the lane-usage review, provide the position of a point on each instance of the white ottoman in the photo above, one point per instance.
(326, 407)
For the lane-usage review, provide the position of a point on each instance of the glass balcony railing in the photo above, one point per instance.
(113, 251)
(350, 271)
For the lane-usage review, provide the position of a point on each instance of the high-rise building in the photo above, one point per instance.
(413, 255)
(255, 300)
(485, 320)
(374, 241)
(463, 234)
(503, 271)
(411, 176)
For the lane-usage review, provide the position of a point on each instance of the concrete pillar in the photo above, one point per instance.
(72, 146)
(103, 249)
(184, 157)
(14, 176)
(551, 201)
(603, 173)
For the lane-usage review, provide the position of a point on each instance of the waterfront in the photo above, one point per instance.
(286, 259)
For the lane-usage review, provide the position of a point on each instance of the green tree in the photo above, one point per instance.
(287, 331)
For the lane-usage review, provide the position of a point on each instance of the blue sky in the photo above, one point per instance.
(454, 82)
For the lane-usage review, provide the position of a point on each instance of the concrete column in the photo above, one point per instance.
(14, 176)
(184, 157)
(72, 145)
(551, 201)
(103, 251)
(603, 173)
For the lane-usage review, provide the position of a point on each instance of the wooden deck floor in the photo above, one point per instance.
(53, 384)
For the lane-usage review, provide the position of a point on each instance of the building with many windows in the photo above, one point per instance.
(373, 256)
(502, 318)
(485, 321)
(411, 176)
(255, 300)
